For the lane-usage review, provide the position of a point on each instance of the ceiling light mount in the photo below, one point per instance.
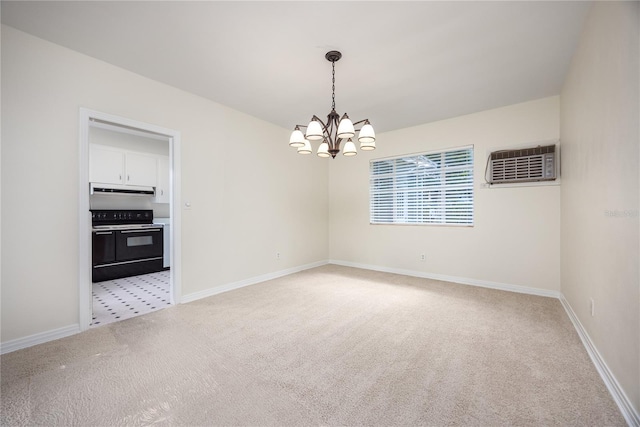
(336, 129)
(333, 56)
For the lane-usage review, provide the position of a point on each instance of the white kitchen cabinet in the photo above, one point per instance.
(140, 169)
(106, 165)
(163, 180)
(109, 165)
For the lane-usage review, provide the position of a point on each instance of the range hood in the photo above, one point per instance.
(130, 190)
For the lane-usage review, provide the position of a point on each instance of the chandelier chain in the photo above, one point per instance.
(333, 86)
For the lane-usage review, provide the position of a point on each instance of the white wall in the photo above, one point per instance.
(600, 189)
(251, 195)
(516, 237)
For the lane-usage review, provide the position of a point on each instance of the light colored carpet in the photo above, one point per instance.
(327, 346)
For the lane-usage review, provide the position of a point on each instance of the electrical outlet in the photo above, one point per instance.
(593, 307)
(277, 255)
(423, 257)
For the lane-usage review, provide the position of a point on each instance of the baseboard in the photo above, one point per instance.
(454, 279)
(628, 411)
(247, 282)
(42, 337)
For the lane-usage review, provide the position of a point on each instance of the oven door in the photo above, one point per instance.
(138, 244)
(103, 247)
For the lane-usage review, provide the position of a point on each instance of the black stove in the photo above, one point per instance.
(125, 243)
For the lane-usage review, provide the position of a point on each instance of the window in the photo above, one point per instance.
(427, 188)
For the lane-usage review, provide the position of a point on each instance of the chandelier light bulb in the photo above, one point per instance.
(314, 131)
(345, 128)
(306, 147)
(367, 135)
(349, 148)
(367, 146)
(323, 150)
(297, 139)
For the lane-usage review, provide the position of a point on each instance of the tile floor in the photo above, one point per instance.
(120, 299)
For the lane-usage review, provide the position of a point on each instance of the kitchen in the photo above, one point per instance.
(129, 198)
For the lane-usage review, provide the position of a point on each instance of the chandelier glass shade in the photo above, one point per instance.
(336, 130)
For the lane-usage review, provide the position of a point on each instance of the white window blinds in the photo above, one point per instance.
(427, 188)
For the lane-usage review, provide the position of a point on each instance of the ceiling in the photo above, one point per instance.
(403, 64)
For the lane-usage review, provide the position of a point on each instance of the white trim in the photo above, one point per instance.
(84, 221)
(454, 279)
(175, 231)
(84, 224)
(628, 412)
(248, 282)
(42, 337)
(487, 186)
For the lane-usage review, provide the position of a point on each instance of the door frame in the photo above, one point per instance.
(87, 117)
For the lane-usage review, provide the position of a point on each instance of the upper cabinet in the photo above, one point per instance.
(140, 169)
(106, 165)
(163, 180)
(111, 165)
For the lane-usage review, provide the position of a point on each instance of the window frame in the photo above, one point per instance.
(414, 210)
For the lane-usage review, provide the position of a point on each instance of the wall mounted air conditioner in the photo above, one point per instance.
(523, 165)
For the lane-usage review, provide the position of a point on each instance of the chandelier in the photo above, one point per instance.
(336, 130)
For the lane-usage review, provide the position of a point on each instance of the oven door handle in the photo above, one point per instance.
(140, 231)
(103, 232)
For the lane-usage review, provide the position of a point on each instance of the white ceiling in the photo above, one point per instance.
(404, 63)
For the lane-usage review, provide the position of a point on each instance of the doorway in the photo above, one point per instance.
(94, 123)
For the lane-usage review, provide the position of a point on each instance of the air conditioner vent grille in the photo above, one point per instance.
(524, 165)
